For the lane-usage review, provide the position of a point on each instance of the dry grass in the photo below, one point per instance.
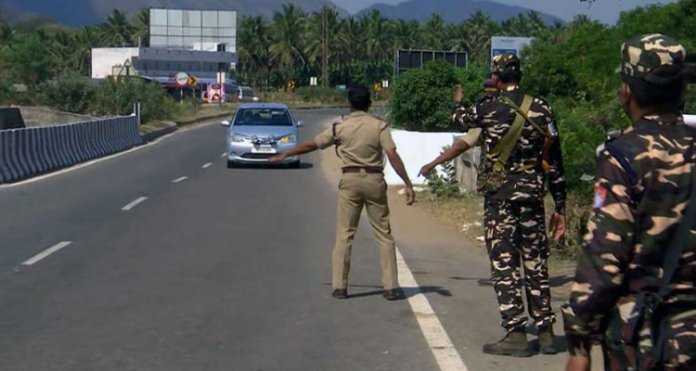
(466, 215)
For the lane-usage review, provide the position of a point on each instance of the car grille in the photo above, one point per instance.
(258, 156)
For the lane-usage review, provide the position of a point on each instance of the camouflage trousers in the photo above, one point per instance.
(516, 233)
(679, 351)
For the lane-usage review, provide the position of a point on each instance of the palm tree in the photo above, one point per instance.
(254, 41)
(119, 32)
(352, 42)
(480, 29)
(405, 34)
(433, 31)
(457, 37)
(142, 27)
(322, 39)
(379, 45)
(288, 30)
(83, 41)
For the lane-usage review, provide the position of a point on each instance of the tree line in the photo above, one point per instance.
(289, 45)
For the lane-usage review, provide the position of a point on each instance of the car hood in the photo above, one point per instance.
(264, 131)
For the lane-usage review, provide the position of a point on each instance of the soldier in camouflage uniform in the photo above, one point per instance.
(643, 187)
(514, 211)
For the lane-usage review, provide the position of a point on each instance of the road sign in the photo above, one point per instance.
(313, 81)
(508, 45)
(192, 81)
(291, 85)
(408, 59)
(378, 87)
(181, 79)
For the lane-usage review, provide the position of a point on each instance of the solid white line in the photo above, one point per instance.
(55, 248)
(133, 204)
(209, 164)
(179, 180)
(440, 344)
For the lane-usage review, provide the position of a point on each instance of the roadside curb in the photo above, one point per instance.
(204, 118)
(149, 137)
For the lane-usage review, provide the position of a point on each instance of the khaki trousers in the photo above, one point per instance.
(355, 191)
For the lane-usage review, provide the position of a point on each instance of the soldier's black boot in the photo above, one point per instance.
(547, 341)
(514, 344)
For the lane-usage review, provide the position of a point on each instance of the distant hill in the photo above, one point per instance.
(89, 12)
(453, 11)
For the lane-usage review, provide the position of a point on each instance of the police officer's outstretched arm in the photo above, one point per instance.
(306, 147)
(398, 165)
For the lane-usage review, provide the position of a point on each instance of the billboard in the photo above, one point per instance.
(508, 45)
(193, 29)
(408, 59)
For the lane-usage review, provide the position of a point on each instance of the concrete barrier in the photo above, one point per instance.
(32, 151)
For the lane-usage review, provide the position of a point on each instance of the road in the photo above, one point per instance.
(164, 259)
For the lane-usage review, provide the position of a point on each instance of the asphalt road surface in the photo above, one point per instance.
(164, 259)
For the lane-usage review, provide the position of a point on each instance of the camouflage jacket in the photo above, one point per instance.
(526, 177)
(465, 116)
(642, 189)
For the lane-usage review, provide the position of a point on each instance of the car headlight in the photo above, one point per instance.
(289, 139)
(237, 138)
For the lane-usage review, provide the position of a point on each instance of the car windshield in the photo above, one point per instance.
(262, 117)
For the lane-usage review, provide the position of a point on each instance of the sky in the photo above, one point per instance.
(606, 11)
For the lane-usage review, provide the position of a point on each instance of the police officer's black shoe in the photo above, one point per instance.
(547, 343)
(391, 295)
(514, 344)
(340, 294)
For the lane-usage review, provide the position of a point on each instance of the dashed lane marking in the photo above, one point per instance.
(209, 164)
(46, 253)
(133, 204)
(179, 180)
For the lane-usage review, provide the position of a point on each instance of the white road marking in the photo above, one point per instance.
(44, 254)
(209, 164)
(133, 204)
(223, 155)
(440, 344)
(179, 180)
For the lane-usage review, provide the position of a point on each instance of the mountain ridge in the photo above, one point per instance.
(453, 11)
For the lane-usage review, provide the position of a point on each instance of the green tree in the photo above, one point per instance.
(71, 92)
(118, 31)
(422, 98)
(288, 32)
(379, 43)
(405, 34)
(142, 28)
(254, 41)
(433, 31)
(27, 60)
(352, 44)
(480, 29)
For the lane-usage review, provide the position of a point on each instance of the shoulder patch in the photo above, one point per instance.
(600, 197)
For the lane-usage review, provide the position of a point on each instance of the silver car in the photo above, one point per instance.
(258, 131)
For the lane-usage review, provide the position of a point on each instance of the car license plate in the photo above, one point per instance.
(264, 148)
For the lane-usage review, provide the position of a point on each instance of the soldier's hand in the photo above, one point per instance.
(426, 170)
(557, 226)
(578, 363)
(410, 195)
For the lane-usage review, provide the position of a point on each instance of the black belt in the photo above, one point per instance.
(358, 169)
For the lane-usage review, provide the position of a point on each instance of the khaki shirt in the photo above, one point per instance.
(472, 137)
(362, 140)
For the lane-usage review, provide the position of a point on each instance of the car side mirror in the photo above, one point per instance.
(225, 123)
(300, 124)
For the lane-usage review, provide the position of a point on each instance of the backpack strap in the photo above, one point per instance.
(503, 149)
(524, 112)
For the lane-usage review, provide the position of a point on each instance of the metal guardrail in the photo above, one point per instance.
(33, 151)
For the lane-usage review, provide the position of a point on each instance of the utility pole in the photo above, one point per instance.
(325, 46)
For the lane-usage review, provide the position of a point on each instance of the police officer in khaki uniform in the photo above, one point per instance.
(361, 142)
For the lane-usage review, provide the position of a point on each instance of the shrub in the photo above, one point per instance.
(444, 186)
(422, 98)
(320, 94)
(70, 93)
(118, 97)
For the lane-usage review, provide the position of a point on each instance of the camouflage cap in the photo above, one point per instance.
(502, 61)
(643, 55)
